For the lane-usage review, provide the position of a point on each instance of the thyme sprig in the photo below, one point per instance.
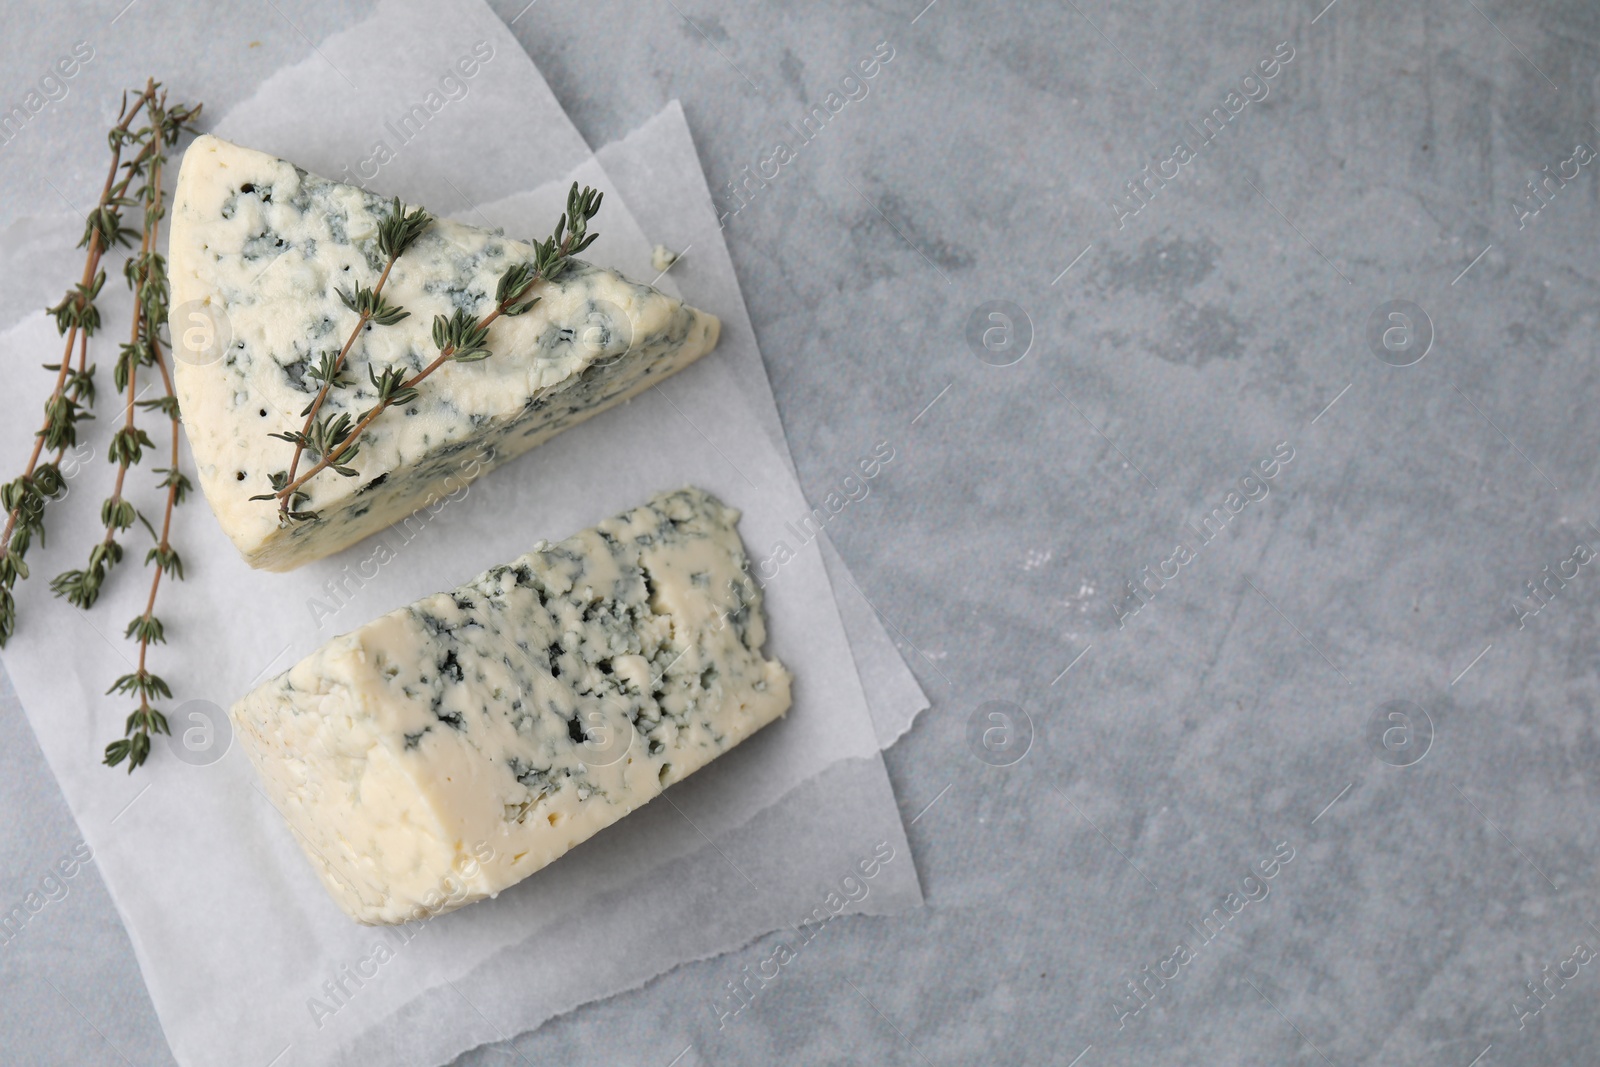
(395, 234)
(460, 338)
(147, 276)
(145, 272)
(77, 318)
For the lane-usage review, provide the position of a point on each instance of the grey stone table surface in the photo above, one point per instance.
(1371, 675)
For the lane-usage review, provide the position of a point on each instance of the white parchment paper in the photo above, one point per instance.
(655, 169)
(235, 938)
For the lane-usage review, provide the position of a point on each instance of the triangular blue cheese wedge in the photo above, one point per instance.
(259, 252)
(446, 751)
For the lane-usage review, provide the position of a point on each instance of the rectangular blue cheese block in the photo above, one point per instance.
(447, 750)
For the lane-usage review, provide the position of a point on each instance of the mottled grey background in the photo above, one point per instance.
(1220, 321)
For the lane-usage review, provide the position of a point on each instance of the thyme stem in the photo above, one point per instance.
(76, 316)
(322, 394)
(147, 276)
(175, 490)
(135, 333)
(395, 234)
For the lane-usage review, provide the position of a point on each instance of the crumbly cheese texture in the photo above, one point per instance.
(450, 749)
(259, 251)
